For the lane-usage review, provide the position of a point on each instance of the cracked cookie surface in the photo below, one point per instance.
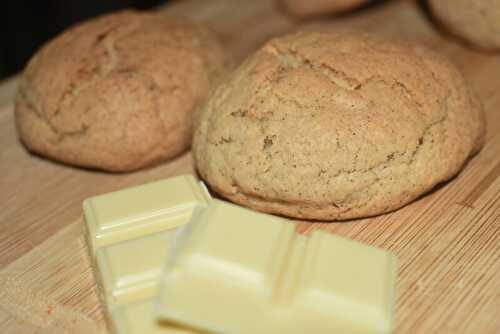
(336, 125)
(476, 21)
(117, 93)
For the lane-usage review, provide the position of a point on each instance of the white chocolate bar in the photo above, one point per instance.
(129, 234)
(141, 210)
(268, 279)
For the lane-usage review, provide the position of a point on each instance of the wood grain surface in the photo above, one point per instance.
(8, 89)
(447, 242)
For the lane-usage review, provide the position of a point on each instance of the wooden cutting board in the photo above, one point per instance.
(447, 243)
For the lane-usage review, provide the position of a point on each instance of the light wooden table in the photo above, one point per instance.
(447, 243)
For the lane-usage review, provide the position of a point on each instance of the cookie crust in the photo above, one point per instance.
(117, 93)
(336, 125)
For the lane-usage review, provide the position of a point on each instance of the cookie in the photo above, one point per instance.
(117, 93)
(476, 21)
(329, 125)
(304, 8)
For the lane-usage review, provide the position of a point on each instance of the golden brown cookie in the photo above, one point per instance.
(117, 93)
(336, 125)
(476, 21)
(304, 8)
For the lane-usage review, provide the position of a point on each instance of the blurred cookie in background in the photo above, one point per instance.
(475, 21)
(304, 8)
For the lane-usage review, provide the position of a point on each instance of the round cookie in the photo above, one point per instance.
(117, 93)
(332, 125)
(476, 21)
(304, 8)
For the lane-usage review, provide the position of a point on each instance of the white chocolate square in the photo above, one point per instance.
(141, 210)
(266, 278)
